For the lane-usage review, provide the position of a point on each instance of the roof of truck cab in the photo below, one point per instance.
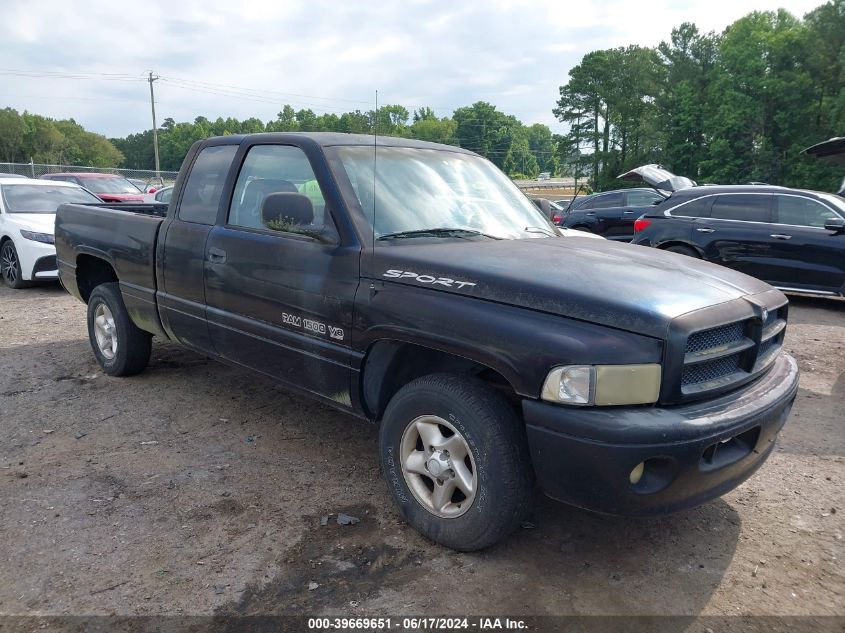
(330, 139)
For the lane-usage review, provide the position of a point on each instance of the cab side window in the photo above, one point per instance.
(201, 197)
(743, 207)
(269, 169)
(799, 211)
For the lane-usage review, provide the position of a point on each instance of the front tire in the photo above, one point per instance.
(10, 266)
(120, 346)
(456, 461)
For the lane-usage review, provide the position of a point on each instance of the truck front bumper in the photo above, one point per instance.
(654, 460)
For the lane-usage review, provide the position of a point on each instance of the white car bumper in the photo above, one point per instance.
(38, 260)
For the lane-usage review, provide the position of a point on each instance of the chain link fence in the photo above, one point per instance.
(34, 170)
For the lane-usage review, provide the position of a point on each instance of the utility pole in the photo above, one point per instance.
(155, 128)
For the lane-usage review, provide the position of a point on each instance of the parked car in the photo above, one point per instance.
(12, 176)
(611, 214)
(550, 210)
(27, 219)
(162, 195)
(108, 187)
(630, 381)
(790, 238)
(145, 186)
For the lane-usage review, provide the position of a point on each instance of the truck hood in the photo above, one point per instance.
(618, 285)
(658, 177)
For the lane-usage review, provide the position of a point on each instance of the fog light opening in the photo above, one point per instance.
(637, 473)
(653, 475)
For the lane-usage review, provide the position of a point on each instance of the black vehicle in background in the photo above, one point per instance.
(611, 214)
(790, 238)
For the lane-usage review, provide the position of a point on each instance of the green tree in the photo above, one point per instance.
(11, 135)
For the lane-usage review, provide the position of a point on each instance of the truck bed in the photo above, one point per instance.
(124, 235)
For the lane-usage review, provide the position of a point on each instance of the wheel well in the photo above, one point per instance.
(666, 245)
(91, 272)
(390, 365)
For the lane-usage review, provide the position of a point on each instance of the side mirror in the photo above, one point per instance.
(292, 213)
(286, 209)
(837, 225)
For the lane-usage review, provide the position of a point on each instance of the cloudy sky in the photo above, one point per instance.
(89, 59)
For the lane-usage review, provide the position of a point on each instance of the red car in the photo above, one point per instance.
(108, 187)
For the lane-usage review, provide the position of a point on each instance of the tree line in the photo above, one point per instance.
(734, 107)
(518, 149)
(25, 137)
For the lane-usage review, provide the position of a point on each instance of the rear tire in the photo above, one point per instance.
(456, 460)
(684, 250)
(10, 266)
(585, 229)
(120, 346)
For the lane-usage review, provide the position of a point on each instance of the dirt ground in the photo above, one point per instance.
(197, 488)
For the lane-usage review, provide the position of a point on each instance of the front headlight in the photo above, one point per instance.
(46, 238)
(603, 385)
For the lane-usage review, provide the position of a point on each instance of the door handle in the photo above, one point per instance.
(781, 236)
(216, 255)
(627, 212)
(705, 230)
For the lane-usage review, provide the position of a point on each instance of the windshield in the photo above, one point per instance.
(109, 185)
(41, 198)
(439, 194)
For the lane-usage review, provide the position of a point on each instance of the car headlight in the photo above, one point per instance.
(603, 385)
(46, 238)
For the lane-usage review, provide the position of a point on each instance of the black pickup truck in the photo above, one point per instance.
(409, 284)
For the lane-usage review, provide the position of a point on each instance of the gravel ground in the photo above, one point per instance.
(197, 488)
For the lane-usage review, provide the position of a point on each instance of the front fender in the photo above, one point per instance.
(520, 344)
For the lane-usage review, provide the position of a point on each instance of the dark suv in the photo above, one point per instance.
(611, 214)
(793, 239)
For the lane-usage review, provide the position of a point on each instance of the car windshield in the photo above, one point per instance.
(428, 193)
(109, 185)
(41, 198)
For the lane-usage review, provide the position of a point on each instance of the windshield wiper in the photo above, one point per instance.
(539, 229)
(438, 232)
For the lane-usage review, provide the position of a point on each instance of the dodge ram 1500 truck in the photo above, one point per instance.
(412, 284)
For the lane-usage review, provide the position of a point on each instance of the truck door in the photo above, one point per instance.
(181, 297)
(279, 284)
